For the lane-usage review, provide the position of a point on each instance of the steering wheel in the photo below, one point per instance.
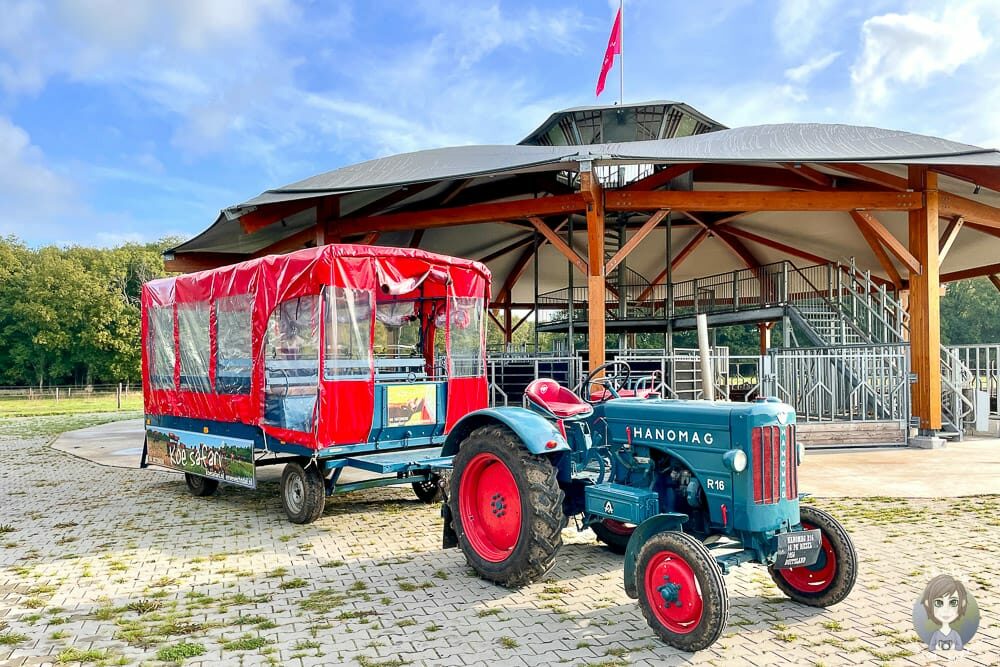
(610, 383)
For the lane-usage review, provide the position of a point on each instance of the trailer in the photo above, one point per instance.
(322, 360)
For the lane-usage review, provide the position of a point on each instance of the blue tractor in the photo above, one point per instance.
(684, 489)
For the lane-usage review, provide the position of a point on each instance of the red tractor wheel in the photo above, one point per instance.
(831, 578)
(506, 506)
(681, 591)
(613, 533)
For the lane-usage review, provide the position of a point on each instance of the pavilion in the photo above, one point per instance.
(596, 190)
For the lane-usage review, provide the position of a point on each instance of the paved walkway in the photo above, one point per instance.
(961, 469)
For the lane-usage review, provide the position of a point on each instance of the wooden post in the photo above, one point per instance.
(508, 325)
(765, 328)
(925, 305)
(118, 396)
(593, 194)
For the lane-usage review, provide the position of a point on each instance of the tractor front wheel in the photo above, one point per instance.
(200, 486)
(681, 591)
(831, 578)
(303, 492)
(614, 534)
(506, 507)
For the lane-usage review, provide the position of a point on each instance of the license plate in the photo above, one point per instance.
(798, 549)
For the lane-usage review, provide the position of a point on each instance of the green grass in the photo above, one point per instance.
(40, 407)
(245, 643)
(49, 425)
(12, 638)
(76, 655)
(179, 652)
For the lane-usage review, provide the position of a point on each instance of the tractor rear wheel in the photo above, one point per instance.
(614, 534)
(681, 591)
(303, 492)
(200, 486)
(506, 507)
(429, 491)
(831, 578)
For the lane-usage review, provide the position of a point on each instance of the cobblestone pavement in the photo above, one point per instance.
(120, 566)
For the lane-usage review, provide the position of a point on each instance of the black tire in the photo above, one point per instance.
(615, 539)
(430, 491)
(828, 589)
(677, 623)
(303, 493)
(200, 486)
(538, 534)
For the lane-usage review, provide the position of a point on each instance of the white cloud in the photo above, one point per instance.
(33, 194)
(807, 70)
(798, 23)
(900, 51)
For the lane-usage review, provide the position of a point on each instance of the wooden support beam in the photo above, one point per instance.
(732, 244)
(370, 238)
(268, 214)
(878, 250)
(594, 195)
(559, 244)
(492, 313)
(684, 253)
(984, 214)
(519, 209)
(777, 245)
(521, 265)
(418, 236)
(810, 174)
(891, 242)
(925, 303)
(975, 272)
(327, 209)
(870, 174)
(660, 178)
(189, 262)
(521, 321)
(948, 239)
(948, 205)
(636, 239)
(389, 200)
(995, 279)
(752, 200)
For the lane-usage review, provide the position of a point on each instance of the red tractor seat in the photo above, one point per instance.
(549, 395)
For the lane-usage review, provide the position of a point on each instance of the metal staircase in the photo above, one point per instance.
(854, 310)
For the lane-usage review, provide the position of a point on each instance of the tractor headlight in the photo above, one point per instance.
(736, 459)
(801, 451)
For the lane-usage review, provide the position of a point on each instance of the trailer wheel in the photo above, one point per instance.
(614, 534)
(200, 486)
(831, 578)
(681, 591)
(303, 493)
(429, 491)
(506, 507)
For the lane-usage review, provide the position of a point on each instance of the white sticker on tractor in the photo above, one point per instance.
(609, 508)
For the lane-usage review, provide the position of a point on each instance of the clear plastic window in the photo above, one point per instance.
(291, 364)
(348, 333)
(466, 331)
(192, 329)
(232, 339)
(160, 344)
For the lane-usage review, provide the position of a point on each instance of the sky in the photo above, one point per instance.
(131, 121)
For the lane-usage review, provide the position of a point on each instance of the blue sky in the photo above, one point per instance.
(133, 120)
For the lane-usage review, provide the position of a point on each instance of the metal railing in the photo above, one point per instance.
(507, 377)
(983, 365)
(844, 383)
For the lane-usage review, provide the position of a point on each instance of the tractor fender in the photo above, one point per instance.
(645, 530)
(534, 430)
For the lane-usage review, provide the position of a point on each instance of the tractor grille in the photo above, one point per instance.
(768, 455)
(791, 464)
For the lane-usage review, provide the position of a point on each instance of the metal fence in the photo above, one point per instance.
(68, 391)
(508, 376)
(983, 364)
(849, 383)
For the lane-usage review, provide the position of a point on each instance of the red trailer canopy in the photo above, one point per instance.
(205, 334)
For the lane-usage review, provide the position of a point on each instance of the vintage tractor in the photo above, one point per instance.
(685, 489)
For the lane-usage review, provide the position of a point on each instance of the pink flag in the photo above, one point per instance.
(614, 48)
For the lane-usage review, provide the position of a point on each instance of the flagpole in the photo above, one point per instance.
(621, 55)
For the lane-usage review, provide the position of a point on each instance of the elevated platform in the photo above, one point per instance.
(679, 323)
